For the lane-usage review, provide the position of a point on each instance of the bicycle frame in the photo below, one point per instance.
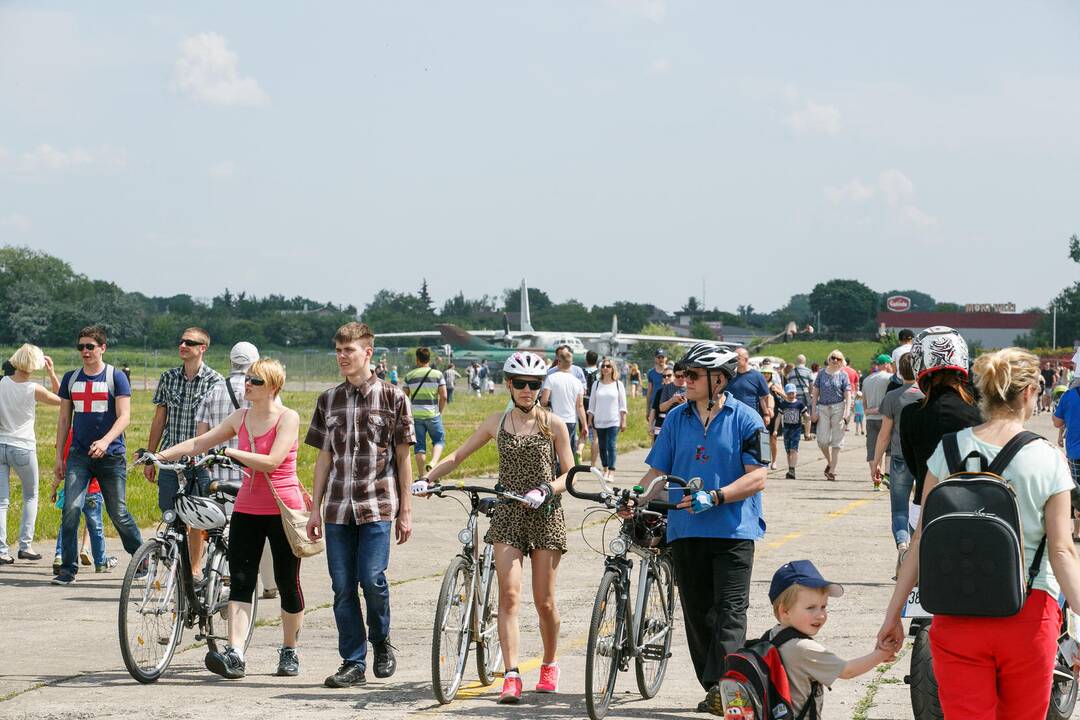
(631, 608)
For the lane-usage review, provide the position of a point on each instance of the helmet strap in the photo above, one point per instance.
(526, 410)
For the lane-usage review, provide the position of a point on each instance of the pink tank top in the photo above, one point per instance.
(255, 497)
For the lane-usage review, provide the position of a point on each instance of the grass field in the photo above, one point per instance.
(461, 418)
(860, 354)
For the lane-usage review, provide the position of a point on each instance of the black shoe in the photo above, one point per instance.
(348, 675)
(713, 702)
(29, 555)
(63, 579)
(227, 664)
(288, 662)
(385, 662)
(790, 474)
(6, 559)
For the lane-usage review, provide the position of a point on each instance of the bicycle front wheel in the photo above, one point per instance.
(606, 630)
(151, 611)
(450, 639)
(488, 649)
(655, 627)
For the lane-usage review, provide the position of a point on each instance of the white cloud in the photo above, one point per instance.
(223, 169)
(660, 66)
(815, 118)
(895, 186)
(206, 71)
(654, 10)
(16, 221)
(855, 191)
(49, 158)
(916, 217)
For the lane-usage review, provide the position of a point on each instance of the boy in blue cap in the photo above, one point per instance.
(800, 597)
(792, 410)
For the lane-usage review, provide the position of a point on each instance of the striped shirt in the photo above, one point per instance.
(422, 385)
(215, 408)
(360, 426)
(182, 398)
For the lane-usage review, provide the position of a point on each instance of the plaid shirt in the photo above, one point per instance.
(360, 427)
(216, 406)
(182, 398)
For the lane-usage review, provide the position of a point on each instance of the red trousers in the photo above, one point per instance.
(997, 668)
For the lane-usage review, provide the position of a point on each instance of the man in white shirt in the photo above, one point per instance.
(907, 338)
(565, 395)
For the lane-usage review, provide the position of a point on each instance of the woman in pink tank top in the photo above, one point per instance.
(267, 435)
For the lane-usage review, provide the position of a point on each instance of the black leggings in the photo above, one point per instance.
(247, 536)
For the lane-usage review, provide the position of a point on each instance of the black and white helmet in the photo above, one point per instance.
(711, 357)
(938, 348)
(525, 364)
(200, 513)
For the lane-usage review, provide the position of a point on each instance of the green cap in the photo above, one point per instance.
(883, 358)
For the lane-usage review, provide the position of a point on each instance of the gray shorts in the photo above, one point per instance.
(873, 427)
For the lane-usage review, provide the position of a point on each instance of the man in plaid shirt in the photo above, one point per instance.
(364, 432)
(180, 392)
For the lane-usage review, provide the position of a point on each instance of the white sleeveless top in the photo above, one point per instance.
(17, 407)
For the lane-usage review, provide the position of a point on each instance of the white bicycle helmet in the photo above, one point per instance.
(939, 348)
(711, 357)
(525, 364)
(200, 513)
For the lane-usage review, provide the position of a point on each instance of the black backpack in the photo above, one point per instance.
(971, 555)
(754, 684)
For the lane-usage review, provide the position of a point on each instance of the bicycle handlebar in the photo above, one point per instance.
(498, 491)
(144, 457)
(611, 496)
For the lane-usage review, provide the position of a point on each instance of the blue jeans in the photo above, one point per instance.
(92, 511)
(111, 474)
(24, 463)
(358, 555)
(608, 439)
(901, 482)
(168, 485)
(428, 426)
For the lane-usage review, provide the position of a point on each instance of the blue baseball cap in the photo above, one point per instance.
(790, 388)
(804, 573)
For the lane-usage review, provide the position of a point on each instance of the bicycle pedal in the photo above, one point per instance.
(654, 652)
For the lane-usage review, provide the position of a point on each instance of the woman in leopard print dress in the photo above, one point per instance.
(529, 439)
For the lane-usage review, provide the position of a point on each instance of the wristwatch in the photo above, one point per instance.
(718, 496)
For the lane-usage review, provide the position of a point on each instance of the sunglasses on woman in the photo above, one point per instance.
(522, 384)
(256, 381)
(834, 359)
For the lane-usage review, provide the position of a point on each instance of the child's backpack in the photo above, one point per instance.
(755, 686)
(971, 555)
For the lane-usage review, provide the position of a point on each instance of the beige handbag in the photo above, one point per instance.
(293, 521)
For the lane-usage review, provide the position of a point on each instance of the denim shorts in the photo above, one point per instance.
(428, 426)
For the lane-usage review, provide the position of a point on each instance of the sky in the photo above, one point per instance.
(604, 149)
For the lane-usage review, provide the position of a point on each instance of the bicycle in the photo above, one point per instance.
(651, 626)
(468, 607)
(159, 596)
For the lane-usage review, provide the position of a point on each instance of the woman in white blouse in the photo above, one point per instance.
(607, 413)
(18, 445)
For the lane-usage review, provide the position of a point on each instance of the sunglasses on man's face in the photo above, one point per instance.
(191, 343)
(667, 375)
(256, 381)
(522, 384)
(693, 375)
(85, 346)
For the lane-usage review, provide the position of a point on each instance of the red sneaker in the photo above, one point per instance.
(511, 689)
(549, 679)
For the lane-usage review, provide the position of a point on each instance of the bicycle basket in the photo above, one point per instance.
(649, 532)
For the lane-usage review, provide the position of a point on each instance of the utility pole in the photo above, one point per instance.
(1054, 341)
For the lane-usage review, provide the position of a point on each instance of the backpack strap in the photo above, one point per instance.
(809, 710)
(110, 380)
(1012, 447)
(232, 394)
(952, 452)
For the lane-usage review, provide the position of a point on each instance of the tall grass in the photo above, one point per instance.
(461, 418)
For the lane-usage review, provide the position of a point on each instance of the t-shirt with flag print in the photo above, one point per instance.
(94, 408)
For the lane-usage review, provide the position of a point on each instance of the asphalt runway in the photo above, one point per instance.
(62, 658)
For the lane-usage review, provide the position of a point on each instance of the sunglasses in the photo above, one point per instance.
(606, 367)
(85, 346)
(679, 376)
(191, 343)
(522, 384)
(256, 381)
(693, 375)
(668, 375)
(834, 359)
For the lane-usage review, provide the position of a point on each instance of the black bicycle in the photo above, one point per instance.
(624, 626)
(467, 610)
(159, 596)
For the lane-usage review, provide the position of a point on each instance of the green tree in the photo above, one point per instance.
(389, 311)
(570, 315)
(846, 305)
(1074, 248)
(700, 329)
(425, 297)
(28, 312)
(692, 305)
(950, 307)
(642, 353)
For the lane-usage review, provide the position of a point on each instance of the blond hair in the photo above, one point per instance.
(28, 358)
(200, 332)
(614, 368)
(355, 332)
(270, 370)
(1003, 375)
(787, 599)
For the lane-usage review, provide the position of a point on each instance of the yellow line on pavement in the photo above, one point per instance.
(847, 508)
(784, 540)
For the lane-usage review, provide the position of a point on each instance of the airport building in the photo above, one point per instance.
(991, 326)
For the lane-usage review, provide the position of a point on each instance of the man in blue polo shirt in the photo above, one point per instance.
(1067, 418)
(712, 536)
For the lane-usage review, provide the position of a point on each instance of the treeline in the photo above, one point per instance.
(46, 302)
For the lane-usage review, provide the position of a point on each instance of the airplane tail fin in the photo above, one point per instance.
(526, 319)
(462, 339)
(614, 325)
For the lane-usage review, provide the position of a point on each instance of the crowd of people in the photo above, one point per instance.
(712, 414)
